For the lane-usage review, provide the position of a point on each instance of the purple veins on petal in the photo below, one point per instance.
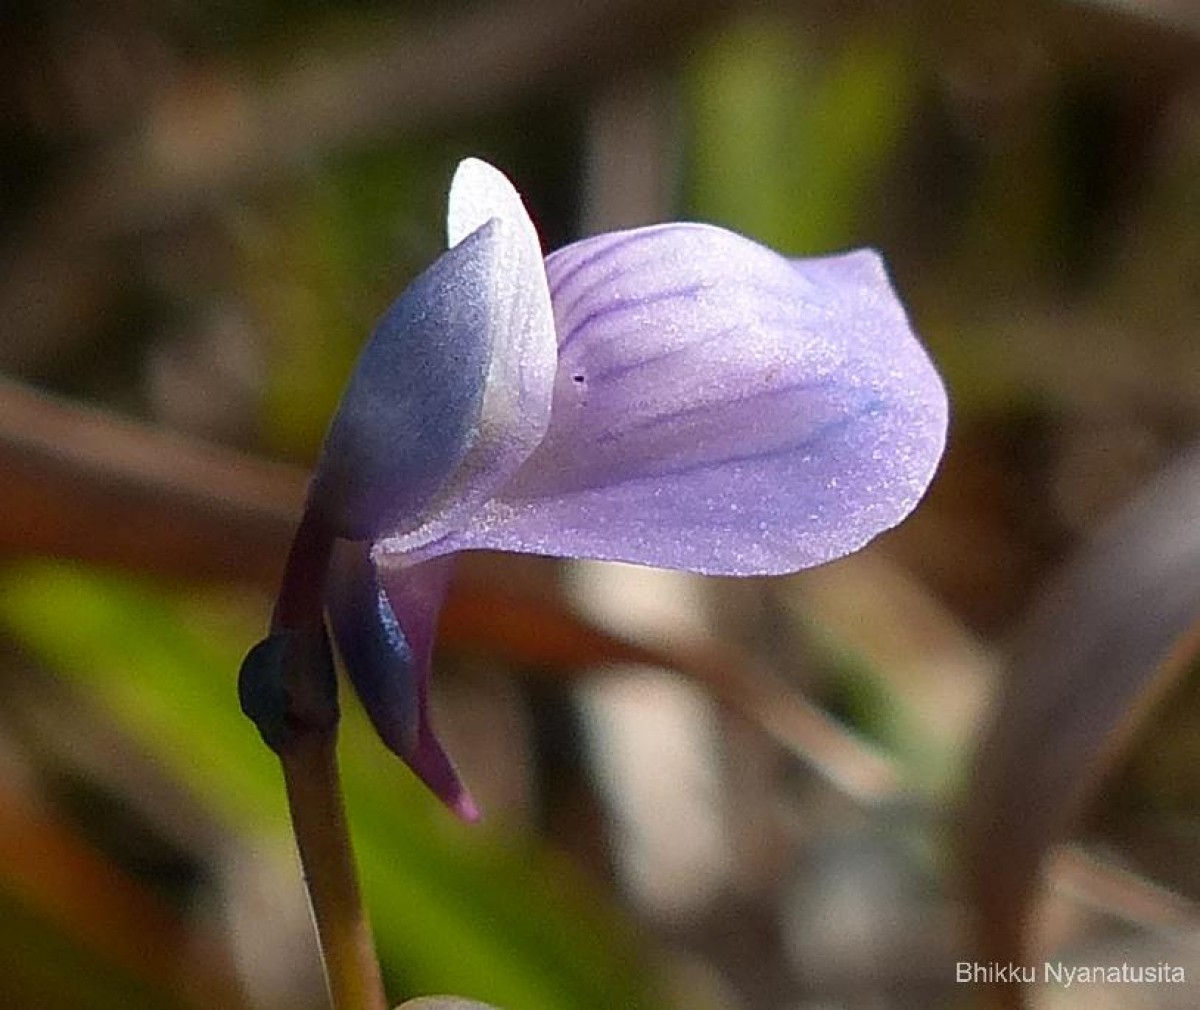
(742, 413)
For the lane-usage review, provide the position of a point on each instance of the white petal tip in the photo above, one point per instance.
(478, 193)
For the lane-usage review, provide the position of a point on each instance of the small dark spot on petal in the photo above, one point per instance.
(577, 378)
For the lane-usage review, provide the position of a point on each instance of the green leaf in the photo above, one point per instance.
(788, 147)
(455, 909)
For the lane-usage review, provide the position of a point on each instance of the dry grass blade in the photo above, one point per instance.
(545, 634)
(1103, 644)
(1117, 892)
(84, 484)
(103, 910)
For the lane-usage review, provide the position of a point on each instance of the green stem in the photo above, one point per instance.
(319, 822)
(288, 687)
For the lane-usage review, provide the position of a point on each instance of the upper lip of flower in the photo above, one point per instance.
(675, 395)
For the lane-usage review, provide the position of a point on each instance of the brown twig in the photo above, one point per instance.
(86, 484)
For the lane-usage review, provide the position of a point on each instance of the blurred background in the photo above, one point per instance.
(743, 794)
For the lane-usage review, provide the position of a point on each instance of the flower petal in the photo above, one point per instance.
(519, 384)
(722, 409)
(480, 192)
(412, 405)
(453, 390)
(384, 624)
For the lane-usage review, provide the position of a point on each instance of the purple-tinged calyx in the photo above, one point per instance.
(676, 395)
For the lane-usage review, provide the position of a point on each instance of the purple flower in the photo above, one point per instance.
(676, 395)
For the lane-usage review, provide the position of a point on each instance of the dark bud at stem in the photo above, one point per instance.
(287, 686)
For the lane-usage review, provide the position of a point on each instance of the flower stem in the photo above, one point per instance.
(319, 822)
(301, 599)
(288, 687)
